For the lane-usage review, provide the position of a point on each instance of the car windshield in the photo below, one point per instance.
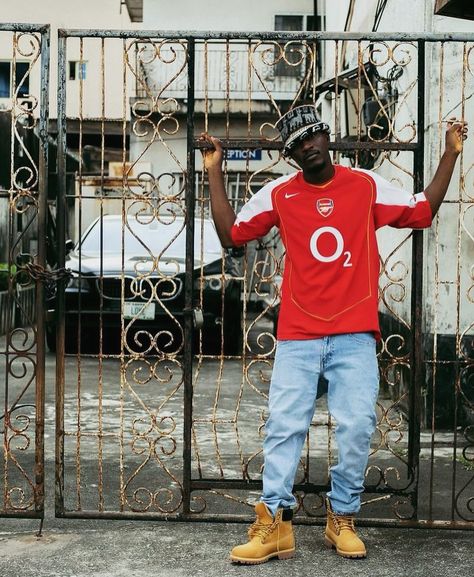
(142, 238)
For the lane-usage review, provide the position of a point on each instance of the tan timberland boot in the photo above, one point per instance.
(341, 535)
(268, 537)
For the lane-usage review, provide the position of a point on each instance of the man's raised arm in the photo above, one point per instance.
(436, 190)
(222, 211)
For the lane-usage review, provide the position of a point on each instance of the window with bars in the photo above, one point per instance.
(289, 66)
(14, 77)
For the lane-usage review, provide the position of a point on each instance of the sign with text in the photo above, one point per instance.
(238, 154)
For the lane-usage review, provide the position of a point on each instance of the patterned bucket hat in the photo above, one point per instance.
(297, 124)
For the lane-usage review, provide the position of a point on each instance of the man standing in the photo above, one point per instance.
(328, 324)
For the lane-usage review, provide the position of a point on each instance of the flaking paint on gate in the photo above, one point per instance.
(176, 433)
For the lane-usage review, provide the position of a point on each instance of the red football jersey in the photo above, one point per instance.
(330, 281)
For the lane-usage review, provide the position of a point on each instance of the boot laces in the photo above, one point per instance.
(261, 529)
(344, 522)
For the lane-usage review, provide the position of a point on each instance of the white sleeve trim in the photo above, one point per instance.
(390, 194)
(261, 201)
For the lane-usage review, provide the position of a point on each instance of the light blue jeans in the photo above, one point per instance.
(349, 363)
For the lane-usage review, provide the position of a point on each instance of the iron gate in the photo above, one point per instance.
(23, 201)
(157, 418)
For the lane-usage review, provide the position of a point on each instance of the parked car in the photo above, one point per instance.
(133, 276)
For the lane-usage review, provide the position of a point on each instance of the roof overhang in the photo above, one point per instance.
(135, 10)
(455, 9)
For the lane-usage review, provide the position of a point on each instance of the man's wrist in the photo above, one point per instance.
(451, 155)
(215, 169)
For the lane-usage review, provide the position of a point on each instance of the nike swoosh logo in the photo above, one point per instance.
(290, 195)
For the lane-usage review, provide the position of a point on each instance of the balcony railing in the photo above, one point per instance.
(254, 71)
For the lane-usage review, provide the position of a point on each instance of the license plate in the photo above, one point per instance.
(142, 311)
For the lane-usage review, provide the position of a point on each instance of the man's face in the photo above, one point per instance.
(312, 153)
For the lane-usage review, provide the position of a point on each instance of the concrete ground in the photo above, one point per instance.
(100, 548)
(73, 548)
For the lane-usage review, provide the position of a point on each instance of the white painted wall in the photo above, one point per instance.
(220, 15)
(86, 14)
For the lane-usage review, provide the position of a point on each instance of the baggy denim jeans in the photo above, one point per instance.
(349, 363)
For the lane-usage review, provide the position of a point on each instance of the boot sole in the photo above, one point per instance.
(281, 555)
(353, 555)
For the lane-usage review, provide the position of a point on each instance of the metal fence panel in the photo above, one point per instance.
(23, 202)
(158, 418)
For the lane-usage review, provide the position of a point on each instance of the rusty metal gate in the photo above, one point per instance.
(23, 193)
(164, 344)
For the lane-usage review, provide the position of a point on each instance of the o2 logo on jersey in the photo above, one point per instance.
(325, 206)
(339, 250)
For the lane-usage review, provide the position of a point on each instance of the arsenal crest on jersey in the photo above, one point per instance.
(325, 206)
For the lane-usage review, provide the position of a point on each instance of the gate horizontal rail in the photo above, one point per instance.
(283, 36)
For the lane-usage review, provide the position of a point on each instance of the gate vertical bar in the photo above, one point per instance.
(416, 355)
(189, 321)
(60, 241)
(40, 293)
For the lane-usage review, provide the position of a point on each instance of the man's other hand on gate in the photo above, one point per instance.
(455, 135)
